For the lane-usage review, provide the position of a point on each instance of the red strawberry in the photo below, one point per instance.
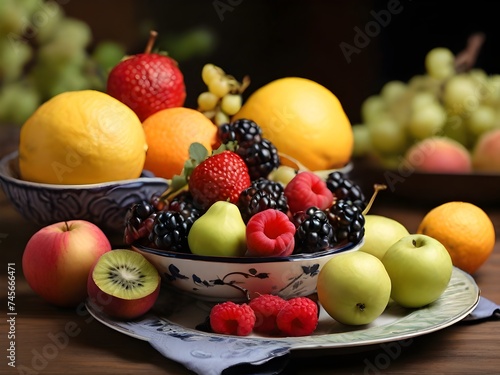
(147, 82)
(270, 233)
(307, 189)
(220, 177)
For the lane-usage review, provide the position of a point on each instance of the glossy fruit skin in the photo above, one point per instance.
(147, 83)
(58, 258)
(304, 120)
(82, 137)
(420, 269)
(354, 288)
(220, 231)
(380, 233)
(220, 177)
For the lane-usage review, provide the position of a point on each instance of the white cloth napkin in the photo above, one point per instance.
(212, 354)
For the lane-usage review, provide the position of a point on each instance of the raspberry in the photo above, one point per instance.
(230, 318)
(299, 317)
(266, 308)
(307, 189)
(270, 233)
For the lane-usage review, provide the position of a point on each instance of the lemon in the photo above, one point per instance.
(82, 137)
(304, 120)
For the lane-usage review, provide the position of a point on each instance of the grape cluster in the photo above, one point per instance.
(43, 52)
(223, 97)
(444, 101)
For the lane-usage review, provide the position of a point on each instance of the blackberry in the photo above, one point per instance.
(262, 195)
(140, 217)
(314, 231)
(347, 220)
(261, 158)
(259, 154)
(344, 188)
(242, 131)
(170, 231)
(183, 203)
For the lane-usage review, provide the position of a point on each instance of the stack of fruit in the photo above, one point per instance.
(232, 195)
(445, 120)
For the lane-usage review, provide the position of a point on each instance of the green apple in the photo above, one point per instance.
(420, 269)
(380, 233)
(354, 288)
(220, 231)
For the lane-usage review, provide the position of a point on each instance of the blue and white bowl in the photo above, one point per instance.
(216, 278)
(104, 204)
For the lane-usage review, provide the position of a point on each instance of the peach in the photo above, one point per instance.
(486, 152)
(439, 155)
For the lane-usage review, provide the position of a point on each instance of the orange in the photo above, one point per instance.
(169, 133)
(304, 120)
(82, 137)
(464, 229)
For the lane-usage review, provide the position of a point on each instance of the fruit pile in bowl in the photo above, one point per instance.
(444, 121)
(227, 231)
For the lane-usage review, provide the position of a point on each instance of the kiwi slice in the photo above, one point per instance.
(125, 274)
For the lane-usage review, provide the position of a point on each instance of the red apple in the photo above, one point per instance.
(57, 260)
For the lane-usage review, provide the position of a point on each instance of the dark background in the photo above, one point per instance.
(269, 39)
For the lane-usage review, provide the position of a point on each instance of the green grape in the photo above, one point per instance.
(422, 99)
(481, 120)
(362, 140)
(440, 63)
(392, 91)
(18, 101)
(387, 136)
(46, 20)
(460, 94)
(73, 31)
(456, 129)
(29, 6)
(231, 104)
(427, 121)
(207, 101)
(210, 73)
(492, 91)
(60, 53)
(372, 108)
(219, 87)
(12, 17)
(283, 174)
(221, 118)
(13, 58)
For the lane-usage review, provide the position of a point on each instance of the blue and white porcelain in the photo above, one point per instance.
(104, 204)
(217, 278)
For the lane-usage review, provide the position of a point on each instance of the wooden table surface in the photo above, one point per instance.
(42, 347)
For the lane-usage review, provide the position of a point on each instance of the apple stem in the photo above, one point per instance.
(152, 38)
(414, 242)
(67, 226)
(377, 188)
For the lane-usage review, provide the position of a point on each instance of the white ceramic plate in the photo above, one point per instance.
(178, 315)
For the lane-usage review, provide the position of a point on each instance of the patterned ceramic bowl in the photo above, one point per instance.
(215, 278)
(103, 204)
